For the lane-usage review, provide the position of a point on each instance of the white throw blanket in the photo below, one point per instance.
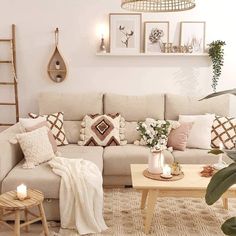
(81, 195)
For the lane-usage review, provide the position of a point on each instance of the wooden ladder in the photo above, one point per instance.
(12, 63)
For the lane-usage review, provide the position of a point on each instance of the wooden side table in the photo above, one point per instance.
(9, 206)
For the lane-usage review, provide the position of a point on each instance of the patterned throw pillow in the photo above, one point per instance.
(55, 122)
(102, 130)
(223, 130)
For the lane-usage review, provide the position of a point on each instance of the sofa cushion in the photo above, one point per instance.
(43, 178)
(135, 108)
(94, 154)
(117, 159)
(131, 133)
(197, 156)
(224, 105)
(72, 131)
(74, 105)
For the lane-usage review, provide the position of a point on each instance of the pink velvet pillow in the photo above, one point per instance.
(50, 135)
(178, 137)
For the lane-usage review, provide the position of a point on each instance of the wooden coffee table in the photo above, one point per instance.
(9, 205)
(192, 185)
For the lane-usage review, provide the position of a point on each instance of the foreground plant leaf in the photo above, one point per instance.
(216, 151)
(229, 227)
(219, 183)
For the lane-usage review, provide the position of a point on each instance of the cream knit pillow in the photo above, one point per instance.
(36, 147)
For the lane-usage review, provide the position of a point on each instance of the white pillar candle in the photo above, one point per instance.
(166, 170)
(21, 192)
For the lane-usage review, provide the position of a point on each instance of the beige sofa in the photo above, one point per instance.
(114, 162)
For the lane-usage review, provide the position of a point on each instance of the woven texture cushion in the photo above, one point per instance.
(102, 130)
(223, 130)
(50, 135)
(56, 122)
(36, 147)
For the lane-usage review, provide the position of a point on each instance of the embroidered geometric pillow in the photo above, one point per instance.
(223, 130)
(102, 130)
(55, 122)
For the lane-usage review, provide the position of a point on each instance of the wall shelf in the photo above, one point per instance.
(153, 55)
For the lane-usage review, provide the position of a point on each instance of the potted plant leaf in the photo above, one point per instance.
(220, 183)
(216, 53)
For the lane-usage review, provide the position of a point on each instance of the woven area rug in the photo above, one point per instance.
(173, 216)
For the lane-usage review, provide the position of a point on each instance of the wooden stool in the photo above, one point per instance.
(9, 205)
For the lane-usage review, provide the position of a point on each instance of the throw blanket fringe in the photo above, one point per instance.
(81, 195)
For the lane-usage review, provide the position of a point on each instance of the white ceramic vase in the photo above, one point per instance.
(156, 162)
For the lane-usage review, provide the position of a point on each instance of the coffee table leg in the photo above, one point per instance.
(225, 203)
(152, 196)
(44, 221)
(144, 198)
(17, 223)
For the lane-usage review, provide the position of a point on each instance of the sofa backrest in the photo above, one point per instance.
(224, 105)
(74, 105)
(134, 109)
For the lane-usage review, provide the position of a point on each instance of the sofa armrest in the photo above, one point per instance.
(10, 154)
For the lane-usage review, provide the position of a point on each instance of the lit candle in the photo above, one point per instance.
(21, 192)
(166, 170)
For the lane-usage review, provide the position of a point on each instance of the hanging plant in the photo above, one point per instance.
(216, 53)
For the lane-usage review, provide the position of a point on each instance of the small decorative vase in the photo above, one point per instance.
(156, 162)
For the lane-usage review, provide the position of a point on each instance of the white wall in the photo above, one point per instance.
(78, 21)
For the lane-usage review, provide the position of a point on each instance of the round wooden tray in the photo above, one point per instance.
(158, 176)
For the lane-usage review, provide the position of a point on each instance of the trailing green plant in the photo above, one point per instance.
(216, 53)
(220, 183)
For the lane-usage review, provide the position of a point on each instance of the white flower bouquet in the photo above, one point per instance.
(155, 133)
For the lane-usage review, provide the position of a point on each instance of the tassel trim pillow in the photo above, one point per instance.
(102, 130)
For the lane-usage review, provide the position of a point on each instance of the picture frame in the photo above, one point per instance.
(193, 34)
(152, 31)
(125, 33)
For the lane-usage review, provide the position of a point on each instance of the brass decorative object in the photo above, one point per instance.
(57, 67)
(158, 5)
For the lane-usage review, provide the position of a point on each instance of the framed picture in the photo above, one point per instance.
(125, 33)
(192, 34)
(156, 35)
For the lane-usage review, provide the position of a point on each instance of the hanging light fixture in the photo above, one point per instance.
(158, 5)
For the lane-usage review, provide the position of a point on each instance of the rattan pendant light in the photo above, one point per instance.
(157, 5)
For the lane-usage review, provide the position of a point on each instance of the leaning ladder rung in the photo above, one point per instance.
(6, 124)
(5, 61)
(7, 83)
(7, 103)
(5, 40)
